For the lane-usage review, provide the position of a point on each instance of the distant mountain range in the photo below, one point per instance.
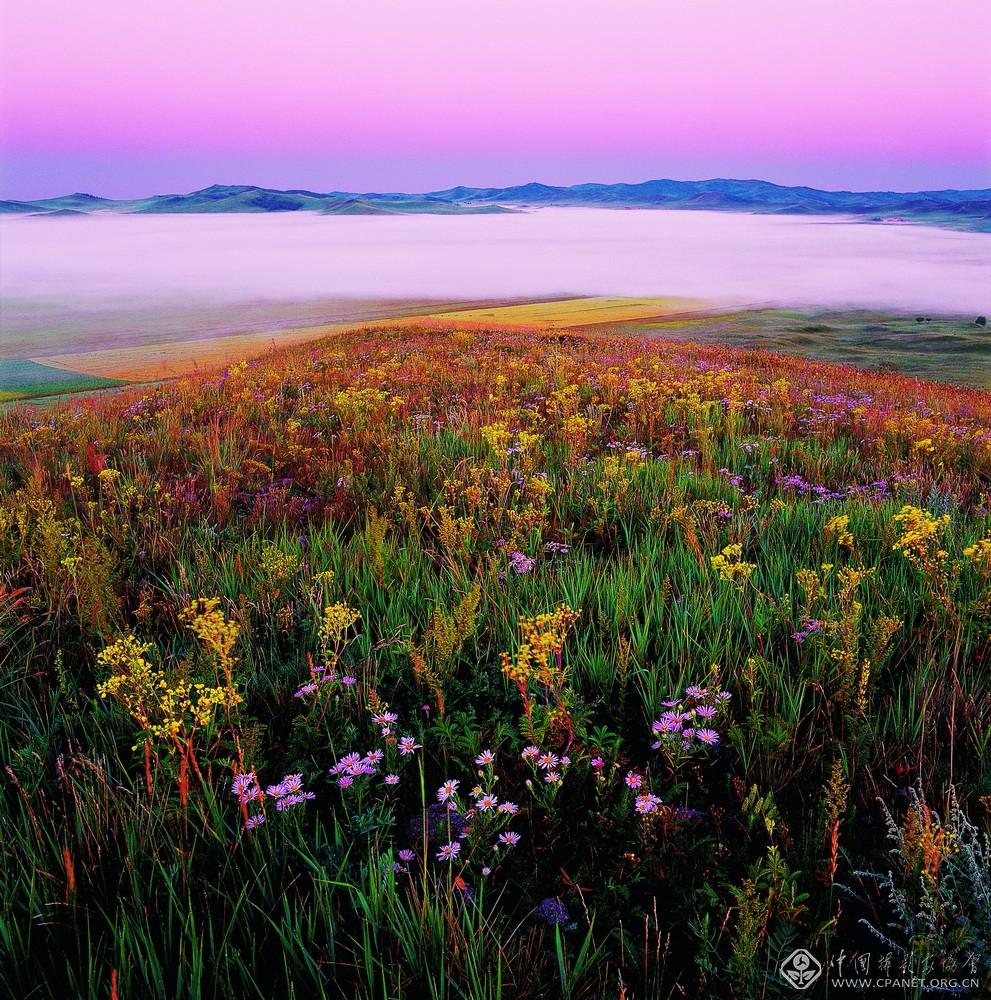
(948, 208)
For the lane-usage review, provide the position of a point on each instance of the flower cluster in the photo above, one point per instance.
(839, 528)
(980, 555)
(547, 766)
(921, 535)
(287, 793)
(539, 655)
(476, 819)
(334, 622)
(520, 562)
(354, 765)
(688, 724)
(167, 707)
(217, 633)
(322, 675)
(730, 566)
(647, 803)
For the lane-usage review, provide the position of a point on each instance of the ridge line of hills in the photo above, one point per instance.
(957, 209)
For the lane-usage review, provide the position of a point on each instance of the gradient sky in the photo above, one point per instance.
(134, 97)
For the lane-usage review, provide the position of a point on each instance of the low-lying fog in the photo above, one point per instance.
(51, 265)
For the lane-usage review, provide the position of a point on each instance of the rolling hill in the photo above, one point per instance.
(948, 208)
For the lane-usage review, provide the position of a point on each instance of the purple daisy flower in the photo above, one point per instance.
(647, 803)
(449, 852)
(448, 789)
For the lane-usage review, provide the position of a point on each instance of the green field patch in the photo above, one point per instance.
(23, 379)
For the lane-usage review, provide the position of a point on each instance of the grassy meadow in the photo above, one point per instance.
(944, 348)
(152, 346)
(450, 662)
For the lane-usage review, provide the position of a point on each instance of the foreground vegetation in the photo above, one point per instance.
(472, 664)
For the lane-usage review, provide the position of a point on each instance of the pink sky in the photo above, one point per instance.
(134, 97)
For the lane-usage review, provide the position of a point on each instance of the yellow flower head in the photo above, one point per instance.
(729, 565)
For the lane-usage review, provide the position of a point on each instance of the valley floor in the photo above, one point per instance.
(952, 349)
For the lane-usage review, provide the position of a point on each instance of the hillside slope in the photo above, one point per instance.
(955, 209)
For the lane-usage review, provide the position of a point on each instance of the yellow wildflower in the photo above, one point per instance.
(729, 565)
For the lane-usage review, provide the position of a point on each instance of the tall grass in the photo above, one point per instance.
(444, 485)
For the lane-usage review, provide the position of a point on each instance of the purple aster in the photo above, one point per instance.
(449, 851)
(647, 803)
(244, 787)
(448, 789)
(521, 563)
(349, 761)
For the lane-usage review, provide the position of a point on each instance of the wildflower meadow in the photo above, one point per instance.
(433, 662)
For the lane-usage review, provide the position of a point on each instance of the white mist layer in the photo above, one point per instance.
(717, 256)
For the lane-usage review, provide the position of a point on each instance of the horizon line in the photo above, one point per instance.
(509, 187)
